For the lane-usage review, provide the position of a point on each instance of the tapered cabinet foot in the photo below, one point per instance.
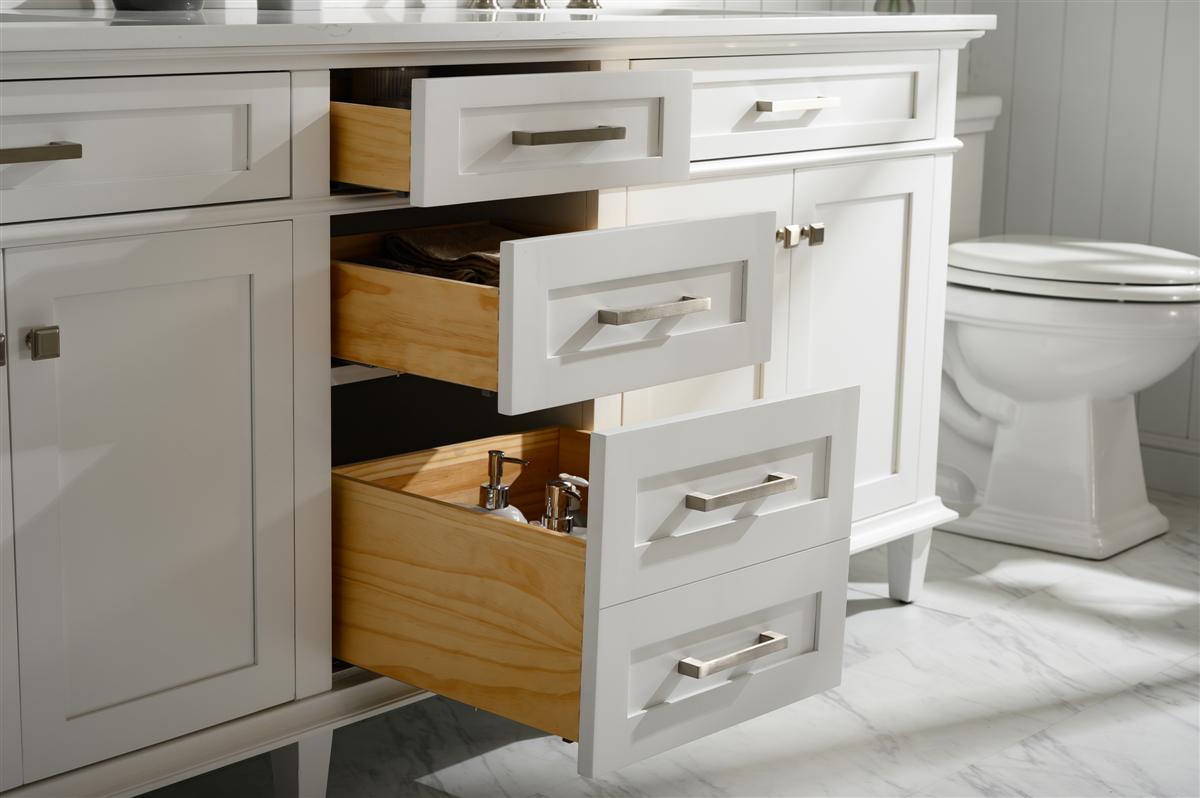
(301, 769)
(907, 558)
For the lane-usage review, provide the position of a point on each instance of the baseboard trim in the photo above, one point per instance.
(1173, 469)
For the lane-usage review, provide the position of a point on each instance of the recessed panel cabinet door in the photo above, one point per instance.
(150, 383)
(856, 315)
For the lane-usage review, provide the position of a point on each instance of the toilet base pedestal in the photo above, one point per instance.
(1067, 477)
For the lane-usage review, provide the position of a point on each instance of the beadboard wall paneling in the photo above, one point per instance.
(1100, 137)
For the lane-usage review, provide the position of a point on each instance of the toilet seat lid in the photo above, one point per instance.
(1077, 260)
(1066, 289)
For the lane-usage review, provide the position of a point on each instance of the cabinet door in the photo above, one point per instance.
(770, 192)
(857, 316)
(152, 462)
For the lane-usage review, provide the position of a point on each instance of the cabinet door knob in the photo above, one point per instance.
(791, 235)
(44, 342)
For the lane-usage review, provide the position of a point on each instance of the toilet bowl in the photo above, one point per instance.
(1047, 340)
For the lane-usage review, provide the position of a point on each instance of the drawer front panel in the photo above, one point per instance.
(495, 136)
(595, 313)
(153, 142)
(769, 104)
(688, 498)
(681, 664)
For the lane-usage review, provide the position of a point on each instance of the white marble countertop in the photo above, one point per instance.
(43, 30)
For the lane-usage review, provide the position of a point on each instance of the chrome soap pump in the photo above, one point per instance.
(493, 494)
(564, 505)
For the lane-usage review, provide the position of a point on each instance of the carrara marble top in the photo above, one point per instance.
(34, 29)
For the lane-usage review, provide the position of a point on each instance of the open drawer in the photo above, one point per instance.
(576, 316)
(623, 641)
(493, 136)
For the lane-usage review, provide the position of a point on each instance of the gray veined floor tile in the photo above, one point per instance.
(1143, 741)
(876, 625)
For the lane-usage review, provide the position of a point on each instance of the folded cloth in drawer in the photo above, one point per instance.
(469, 253)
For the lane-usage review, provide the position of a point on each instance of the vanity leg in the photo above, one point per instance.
(907, 558)
(301, 769)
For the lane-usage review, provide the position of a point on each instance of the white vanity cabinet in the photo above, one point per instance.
(179, 564)
(151, 405)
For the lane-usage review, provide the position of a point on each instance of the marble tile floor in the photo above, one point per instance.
(1017, 673)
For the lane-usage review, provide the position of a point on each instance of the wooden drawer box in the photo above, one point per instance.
(81, 147)
(541, 339)
(495, 136)
(556, 632)
(757, 105)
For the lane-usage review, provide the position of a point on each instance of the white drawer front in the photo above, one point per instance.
(637, 703)
(767, 104)
(649, 485)
(464, 148)
(154, 142)
(570, 304)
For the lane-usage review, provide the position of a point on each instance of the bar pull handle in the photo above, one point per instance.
(767, 643)
(526, 138)
(3, 350)
(54, 151)
(667, 310)
(798, 104)
(777, 482)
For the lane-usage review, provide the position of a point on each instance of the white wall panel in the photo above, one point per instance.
(1083, 110)
(1033, 136)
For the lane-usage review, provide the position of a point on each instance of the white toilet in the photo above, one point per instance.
(1047, 340)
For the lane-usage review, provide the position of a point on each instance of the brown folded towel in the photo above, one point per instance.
(469, 253)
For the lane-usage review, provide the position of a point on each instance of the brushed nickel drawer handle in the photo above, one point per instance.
(54, 151)
(526, 138)
(799, 104)
(777, 482)
(667, 310)
(767, 643)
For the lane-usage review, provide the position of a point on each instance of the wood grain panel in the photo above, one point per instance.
(444, 329)
(370, 145)
(474, 607)
(454, 473)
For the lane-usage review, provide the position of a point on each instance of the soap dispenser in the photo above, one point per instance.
(564, 504)
(493, 494)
